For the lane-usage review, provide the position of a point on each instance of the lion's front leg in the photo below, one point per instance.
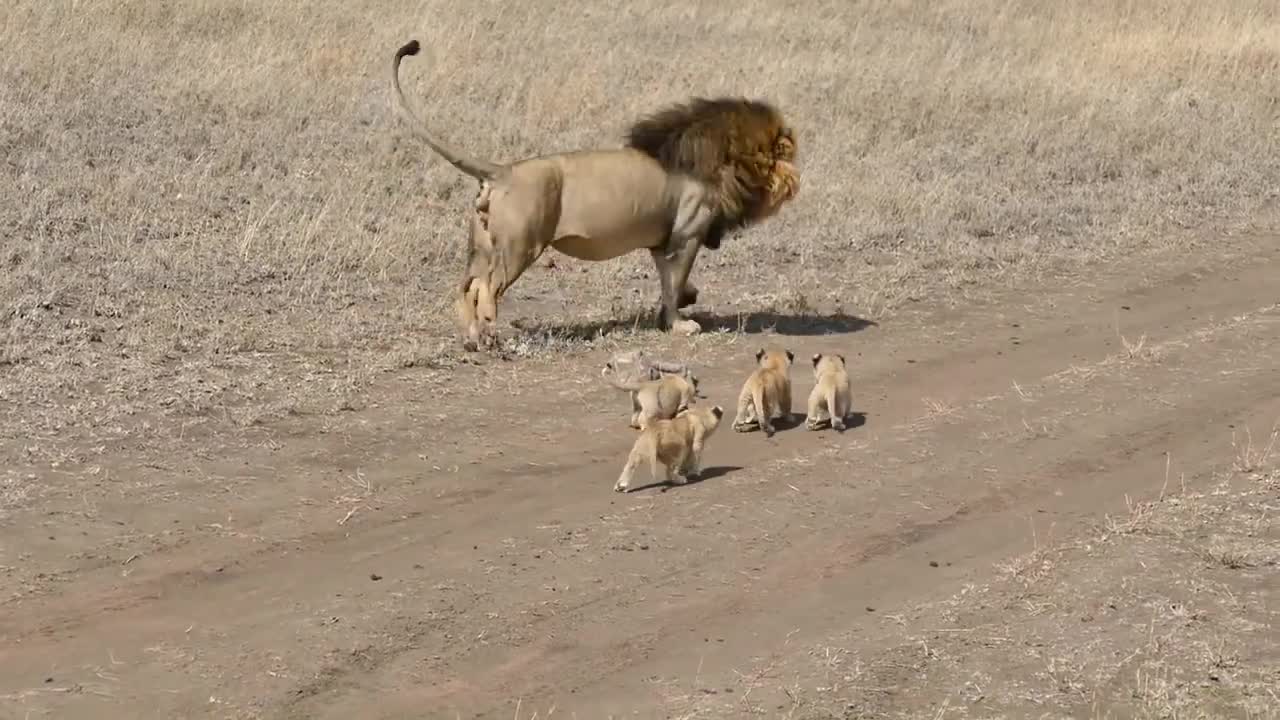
(682, 289)
(474, 283)
(676, 292)
(493, 264)
(666, 303)
(692, 222)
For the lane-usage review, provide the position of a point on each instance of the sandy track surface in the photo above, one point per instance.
(453, 552)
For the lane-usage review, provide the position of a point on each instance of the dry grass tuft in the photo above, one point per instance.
(1250, 458)
(1128, 623)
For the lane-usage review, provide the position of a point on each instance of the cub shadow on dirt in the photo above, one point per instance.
(751, 323)
(708, 473)
(852, 421)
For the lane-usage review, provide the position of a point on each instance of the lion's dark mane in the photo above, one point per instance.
(729, 142)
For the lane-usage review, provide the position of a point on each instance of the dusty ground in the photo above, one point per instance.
(246, 473)
(440, 552)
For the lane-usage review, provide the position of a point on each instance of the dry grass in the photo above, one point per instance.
(1167, 612)
(209, 201)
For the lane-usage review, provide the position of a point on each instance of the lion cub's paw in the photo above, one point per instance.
(686, 327)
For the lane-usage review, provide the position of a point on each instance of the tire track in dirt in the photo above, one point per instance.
(924, 372)
(810, 583)
(257, 603)
(821, 585)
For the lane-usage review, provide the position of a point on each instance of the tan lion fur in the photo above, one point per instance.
(766, 394)
(597, 205)
(659, 396)
(829, 400)
(675, 444)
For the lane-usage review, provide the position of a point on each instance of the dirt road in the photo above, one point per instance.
(458, 551)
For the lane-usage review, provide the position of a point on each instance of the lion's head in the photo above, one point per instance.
(741, 147)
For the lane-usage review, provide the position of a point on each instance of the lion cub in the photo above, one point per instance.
(767, 392)
(829, 399)
(676, 444)
(661, 397)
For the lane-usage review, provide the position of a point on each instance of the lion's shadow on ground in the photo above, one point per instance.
(751, 323)
(754, 323)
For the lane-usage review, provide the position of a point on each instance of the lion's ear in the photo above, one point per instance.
(842, 360)
(816, 358)
(759, 354)
(791, 357)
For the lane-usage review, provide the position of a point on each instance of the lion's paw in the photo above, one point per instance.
(686, 327)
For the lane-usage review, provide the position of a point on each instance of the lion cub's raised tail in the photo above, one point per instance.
(479, 169)
(829, 399)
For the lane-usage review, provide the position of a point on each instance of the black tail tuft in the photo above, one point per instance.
(410, 48)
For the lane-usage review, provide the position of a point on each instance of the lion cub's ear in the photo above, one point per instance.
(759, 354)
(842, 360)
(791, 357)
(816, 358)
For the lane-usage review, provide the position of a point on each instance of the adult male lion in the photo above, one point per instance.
(688, 175)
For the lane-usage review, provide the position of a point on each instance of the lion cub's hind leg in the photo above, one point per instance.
(677, 467)
(637, 411)
(647, 447)
(783, 409)
(817, 414)
(765, 412)
(838, 402)
(642, 447)
(748, 414)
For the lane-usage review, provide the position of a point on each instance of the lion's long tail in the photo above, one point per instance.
(478, 169)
